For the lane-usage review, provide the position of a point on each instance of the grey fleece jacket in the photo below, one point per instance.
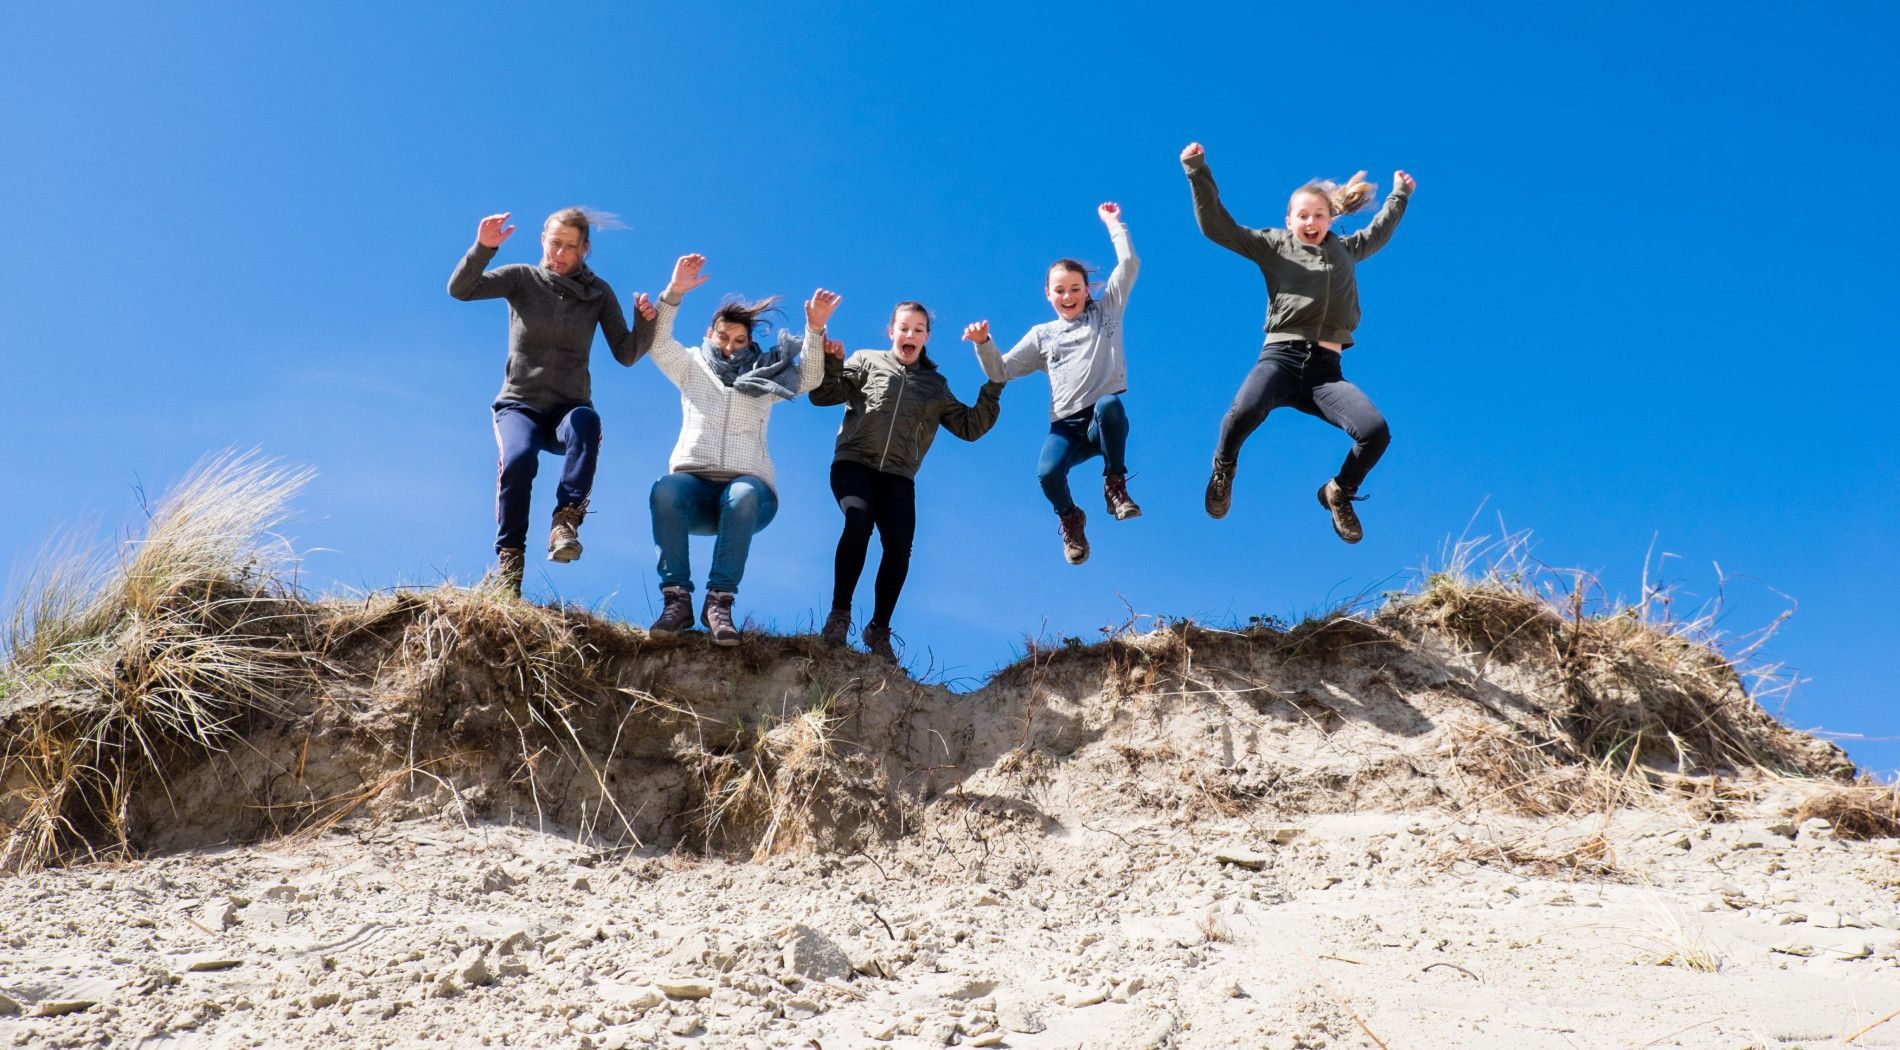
(1084, 357)
(1313, 295)
(551, 322)
(893, 410)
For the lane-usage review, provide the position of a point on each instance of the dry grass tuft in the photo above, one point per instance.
(762, 787)
(1499, 767)
(111, 666)
(1637, 686)
(1863, 810)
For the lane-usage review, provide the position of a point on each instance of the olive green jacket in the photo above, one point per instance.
(893, 410)
(1312, 293)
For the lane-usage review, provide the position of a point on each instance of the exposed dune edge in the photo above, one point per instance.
(1466, 697)
(1472, 817)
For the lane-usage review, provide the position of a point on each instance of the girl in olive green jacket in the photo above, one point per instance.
(1312, 309)
(896, 399)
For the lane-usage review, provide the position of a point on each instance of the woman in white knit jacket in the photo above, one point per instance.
(721, 482)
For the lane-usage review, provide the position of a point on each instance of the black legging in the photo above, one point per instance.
(889, 502)
(1306, 376)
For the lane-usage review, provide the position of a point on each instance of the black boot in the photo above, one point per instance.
(676, 615)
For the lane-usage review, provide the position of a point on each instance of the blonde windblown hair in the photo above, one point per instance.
(1344, 200)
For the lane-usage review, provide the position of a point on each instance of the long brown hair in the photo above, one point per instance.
(734, 310)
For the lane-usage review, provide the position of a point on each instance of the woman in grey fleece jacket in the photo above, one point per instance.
(546, 400)
(1312, 309)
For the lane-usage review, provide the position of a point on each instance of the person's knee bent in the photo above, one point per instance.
(741, 501)
(584, 424)
(1377, 436)
(670, 496)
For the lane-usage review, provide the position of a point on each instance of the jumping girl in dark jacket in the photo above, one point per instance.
(1312, 309)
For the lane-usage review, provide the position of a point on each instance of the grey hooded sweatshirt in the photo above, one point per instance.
(1312, 293)
(551, 321)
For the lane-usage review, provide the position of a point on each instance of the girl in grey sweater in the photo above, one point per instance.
(1088, 372)
(1312, 309)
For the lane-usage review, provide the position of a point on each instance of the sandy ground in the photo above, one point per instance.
(1407, 928)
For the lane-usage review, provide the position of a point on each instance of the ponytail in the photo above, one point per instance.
(1343, 200)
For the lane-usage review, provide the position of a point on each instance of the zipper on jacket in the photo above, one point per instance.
(903, 380)
(1326, 303)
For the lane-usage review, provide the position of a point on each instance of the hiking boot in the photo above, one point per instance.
(1339, 502)
(1115, 492)
(837, 627)
(509, 564)
(676, 616)
(564, 540)
(1220, 490)
(716, 614)
(1075, 544)
(877, 640)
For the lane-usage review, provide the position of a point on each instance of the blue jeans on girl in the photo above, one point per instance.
(1098, 430)
(689, 505)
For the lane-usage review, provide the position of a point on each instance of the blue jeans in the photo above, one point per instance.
(1099, 430)
(523, 432)
(687, 504)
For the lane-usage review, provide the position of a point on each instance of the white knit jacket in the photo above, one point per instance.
(722, 430)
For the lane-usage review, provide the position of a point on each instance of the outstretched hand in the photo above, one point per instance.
(1400, 178)
(834, 348)
(491, 233)
(687, 275)
(1110, 213)
(644, 307)
(1193, 150)
(818, 308)
(978, 333)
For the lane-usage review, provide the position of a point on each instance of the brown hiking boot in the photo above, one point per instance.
(878, 641)
(1339, 502)
(1075, 543)
(1115, 491)
(837, 627)
(509, 564)
(716, 614)
(564, 540)
(1220, 490)
(676, 616)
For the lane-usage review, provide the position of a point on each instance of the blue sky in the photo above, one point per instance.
(1642, 300)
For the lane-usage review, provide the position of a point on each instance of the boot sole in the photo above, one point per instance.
(1217, 511)
(725, 643)
(1125, 514)
(565, 554)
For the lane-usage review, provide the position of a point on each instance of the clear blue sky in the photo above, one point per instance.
(1644, 294)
